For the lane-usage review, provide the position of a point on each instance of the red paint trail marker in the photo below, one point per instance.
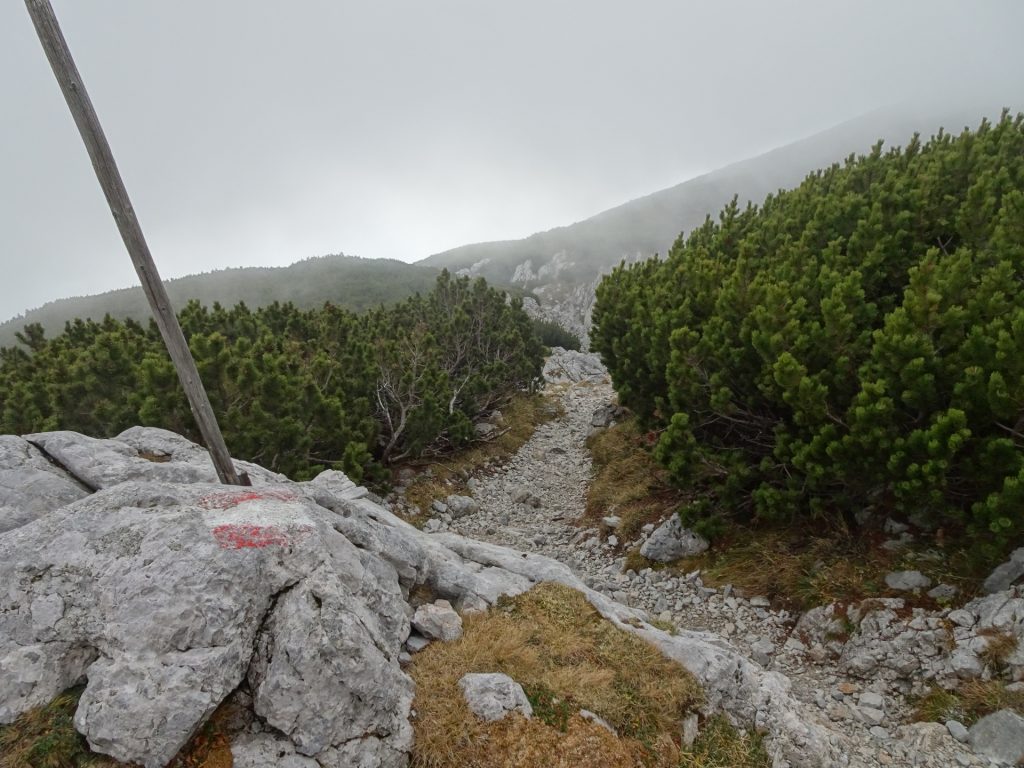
(242, 536)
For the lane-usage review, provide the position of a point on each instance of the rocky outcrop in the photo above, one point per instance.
(568, 365)
(917, 648)
(166, 593)
(165, 597)
(999, 736)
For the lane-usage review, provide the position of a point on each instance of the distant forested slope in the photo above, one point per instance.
(350, 282)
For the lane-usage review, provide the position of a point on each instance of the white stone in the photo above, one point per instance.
(461, 506)
(957, 730)
(871, 699)
(586, 714)
(492, 696)
(671, 541)
(438, 621)
(690, 729)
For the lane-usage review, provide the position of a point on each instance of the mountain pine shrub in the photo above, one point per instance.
(855, 343)
(294, 390)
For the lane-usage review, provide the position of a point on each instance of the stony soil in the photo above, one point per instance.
(533, 503)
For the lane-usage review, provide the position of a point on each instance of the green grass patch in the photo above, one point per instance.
(722, 745)
(970, 702)
(45, 737)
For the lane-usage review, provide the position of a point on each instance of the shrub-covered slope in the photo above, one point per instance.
(295, 390)
(857, 342)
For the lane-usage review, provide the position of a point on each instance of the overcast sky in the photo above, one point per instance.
(263, 132)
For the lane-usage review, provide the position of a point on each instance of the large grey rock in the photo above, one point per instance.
(1005, 574)
(157, 594)
(493, 696)
(671, 541)
(999, 736)
(438, 621)
(30, 485)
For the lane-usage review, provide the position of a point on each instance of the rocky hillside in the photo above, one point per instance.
(306, 605)
(562, 266)
(132, 570)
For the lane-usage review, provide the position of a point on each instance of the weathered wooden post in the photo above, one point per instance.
(88, 123)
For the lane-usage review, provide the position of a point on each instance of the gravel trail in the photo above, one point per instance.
(532, 503)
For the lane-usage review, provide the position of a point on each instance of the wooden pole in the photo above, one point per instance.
(88, 123)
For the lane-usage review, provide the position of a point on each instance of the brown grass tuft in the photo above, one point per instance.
(628, 482)
(1000, 644)
(792, 568)
(552, 640)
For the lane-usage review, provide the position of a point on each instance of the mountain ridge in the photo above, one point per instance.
(562, 265)
(352, 282)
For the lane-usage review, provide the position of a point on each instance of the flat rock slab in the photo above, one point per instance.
(999, 736)
(139, 453)
(907, 580)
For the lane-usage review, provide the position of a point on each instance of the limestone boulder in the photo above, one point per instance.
(30, 484)
(156, 595)
(1005, 574)
(671, 541)
(438, 621)
(461, 506)
(999, 736)
(493, 696)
